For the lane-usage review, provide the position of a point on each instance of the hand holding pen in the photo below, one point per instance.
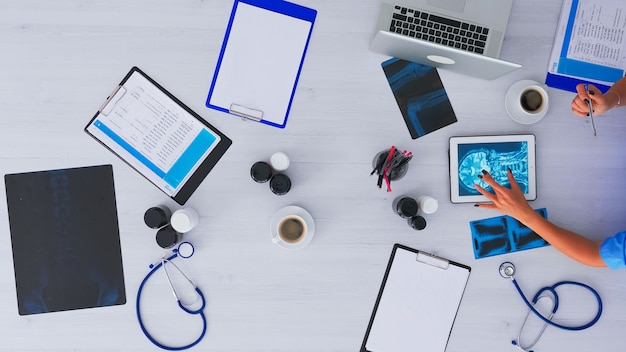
(590, 93)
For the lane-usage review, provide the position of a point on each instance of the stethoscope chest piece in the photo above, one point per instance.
(507, 270)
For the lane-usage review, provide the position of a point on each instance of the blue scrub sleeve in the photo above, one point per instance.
(613, 251)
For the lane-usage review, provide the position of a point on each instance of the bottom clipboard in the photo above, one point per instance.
(417, 303)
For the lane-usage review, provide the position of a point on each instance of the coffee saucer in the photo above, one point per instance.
(293, 210)
(512, 104)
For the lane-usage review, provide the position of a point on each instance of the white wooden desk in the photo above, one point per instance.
(61, 58)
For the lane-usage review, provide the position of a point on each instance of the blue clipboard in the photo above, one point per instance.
(261, 59)
(573, 31)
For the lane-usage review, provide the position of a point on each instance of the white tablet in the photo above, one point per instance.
(495, 154)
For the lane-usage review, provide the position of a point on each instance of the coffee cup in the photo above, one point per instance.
(291, 229)
(527, 101)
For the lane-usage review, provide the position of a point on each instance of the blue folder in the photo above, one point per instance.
(261, 59)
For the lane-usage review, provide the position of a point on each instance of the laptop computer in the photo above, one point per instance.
(463, 36)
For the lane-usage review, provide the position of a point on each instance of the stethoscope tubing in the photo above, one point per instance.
(552, 290)
(199, 312)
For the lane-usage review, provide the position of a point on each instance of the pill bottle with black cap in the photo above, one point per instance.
(417, 222)
(167, 237)
(405, 206)
(261, 172)
(280, 184)
(157, 217)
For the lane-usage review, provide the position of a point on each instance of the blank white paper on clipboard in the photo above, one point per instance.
(417, 303)
(260, 60)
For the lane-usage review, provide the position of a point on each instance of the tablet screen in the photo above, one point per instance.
(471, 155)
(154, 133)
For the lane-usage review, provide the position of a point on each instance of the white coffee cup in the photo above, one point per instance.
(291, 229)
(527, 101)
(427, 204)
(184, 220)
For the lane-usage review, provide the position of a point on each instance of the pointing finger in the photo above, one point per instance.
(484, 192)
(512, 181)
(486, 176)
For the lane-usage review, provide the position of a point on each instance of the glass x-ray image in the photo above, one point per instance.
(495, 158)
(504, 234)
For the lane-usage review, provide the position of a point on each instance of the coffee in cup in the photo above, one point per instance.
(527, 101)
(291, 229)
(531, 100)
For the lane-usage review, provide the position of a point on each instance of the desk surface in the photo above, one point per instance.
(61, 58)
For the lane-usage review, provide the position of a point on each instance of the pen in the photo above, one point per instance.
(593, 124)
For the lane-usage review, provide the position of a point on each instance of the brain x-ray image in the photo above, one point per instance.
(495, 158)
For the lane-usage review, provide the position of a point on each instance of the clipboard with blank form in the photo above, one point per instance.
(158, 135)
(417, 303)
(260, 60)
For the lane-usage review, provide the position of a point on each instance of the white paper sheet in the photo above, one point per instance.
(261, 62)
(418, 306)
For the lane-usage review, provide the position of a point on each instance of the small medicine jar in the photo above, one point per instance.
(405, 206)
(280, 184)
(157, 217)
(261, 172)
(417, 223)
(167, 237)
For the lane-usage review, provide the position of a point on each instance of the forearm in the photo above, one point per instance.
(569, 243)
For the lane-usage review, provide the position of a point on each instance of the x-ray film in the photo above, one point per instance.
(504, 234)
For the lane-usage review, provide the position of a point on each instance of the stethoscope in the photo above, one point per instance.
(184, 250)
(507, 270)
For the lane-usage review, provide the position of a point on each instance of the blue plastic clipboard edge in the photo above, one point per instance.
(282, 7)
(569, 83)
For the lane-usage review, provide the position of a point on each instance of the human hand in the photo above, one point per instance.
(598, 100)
(509, 201)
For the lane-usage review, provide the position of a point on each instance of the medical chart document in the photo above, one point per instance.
(589, 45)
(417, 303)
(156, 134)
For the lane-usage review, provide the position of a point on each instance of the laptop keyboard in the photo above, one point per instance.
(439, 30)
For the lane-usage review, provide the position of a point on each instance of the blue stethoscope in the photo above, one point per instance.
(184, 250)
(507, 270)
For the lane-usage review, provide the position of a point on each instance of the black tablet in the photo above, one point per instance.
(158, 135)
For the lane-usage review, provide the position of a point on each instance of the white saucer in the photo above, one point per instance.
(293, 210)
(512, 104)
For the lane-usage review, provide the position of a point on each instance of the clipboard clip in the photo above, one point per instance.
(106, 107)
(432, 260)
(245, 112)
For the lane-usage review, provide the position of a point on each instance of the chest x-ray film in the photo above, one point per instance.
(469, 156)
(65, 239)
